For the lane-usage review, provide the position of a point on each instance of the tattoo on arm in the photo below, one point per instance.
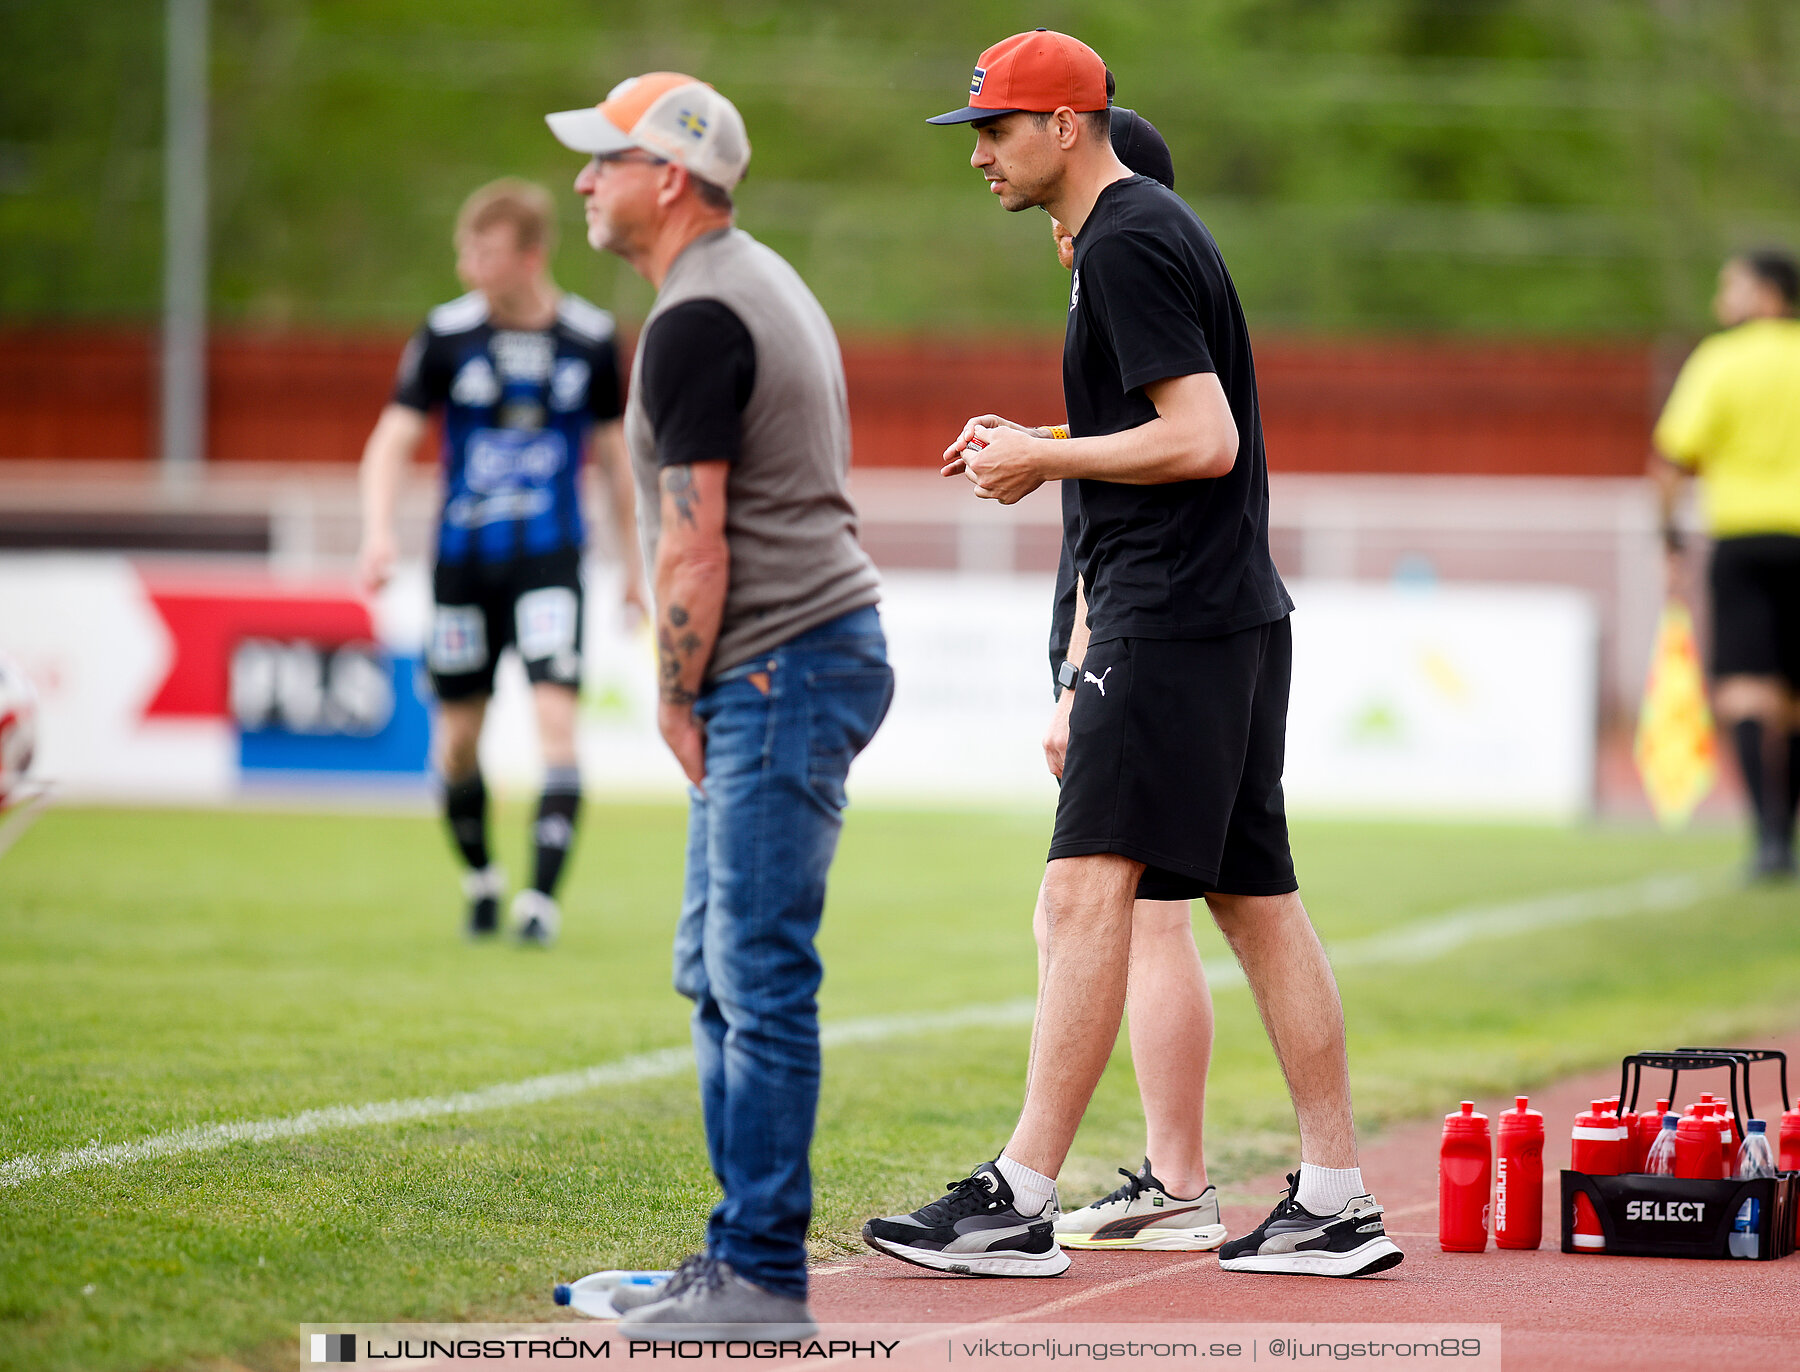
(678, 485)
(673, 654)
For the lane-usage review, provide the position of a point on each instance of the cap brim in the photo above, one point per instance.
(968, 114)
(587, 130)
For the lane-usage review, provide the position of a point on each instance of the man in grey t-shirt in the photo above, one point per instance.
(772, 665)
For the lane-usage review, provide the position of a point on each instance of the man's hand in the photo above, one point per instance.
(955, 457)
(635, 603)
(686, 739)
(375, 560)
(1005, 467)
(1056, 737)
(1675, 574)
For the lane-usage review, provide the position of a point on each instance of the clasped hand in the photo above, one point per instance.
(998, 457)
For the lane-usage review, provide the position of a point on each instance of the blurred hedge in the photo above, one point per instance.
(1517, 166)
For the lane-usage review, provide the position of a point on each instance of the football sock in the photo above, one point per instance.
(1793, 784)
(555, 827)
(1764, 771)
(465, 811)
(1327, 1190)
(1032, 1191)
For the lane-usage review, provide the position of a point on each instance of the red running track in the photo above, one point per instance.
(1556, 1311)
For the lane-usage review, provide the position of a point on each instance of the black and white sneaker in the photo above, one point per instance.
(482, 889)
(1351, 1243)
(974, 1231)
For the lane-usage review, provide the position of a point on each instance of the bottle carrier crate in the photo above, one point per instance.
(1646, 1216)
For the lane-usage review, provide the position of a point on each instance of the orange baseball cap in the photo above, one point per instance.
(668, 114)
(1038, 71)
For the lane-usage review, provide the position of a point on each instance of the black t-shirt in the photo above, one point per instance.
(699, 370)
(1150, 298)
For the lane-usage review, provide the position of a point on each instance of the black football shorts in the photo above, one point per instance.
(1756, 607)
(532, 604)
(1175, 755)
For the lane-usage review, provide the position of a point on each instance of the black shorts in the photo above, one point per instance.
(532, 605)
(1175, 755)
(1756, 607)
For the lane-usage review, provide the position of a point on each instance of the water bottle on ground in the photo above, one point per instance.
(1755, 1159)
(1519, 1178)
(1660, 1160)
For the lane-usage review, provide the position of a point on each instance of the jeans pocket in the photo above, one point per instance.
(844, 708)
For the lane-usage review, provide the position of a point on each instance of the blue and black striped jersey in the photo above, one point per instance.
(517, 407)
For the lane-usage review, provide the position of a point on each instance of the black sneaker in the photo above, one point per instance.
(974, 1231)
(1351, 1243)
(482, 888)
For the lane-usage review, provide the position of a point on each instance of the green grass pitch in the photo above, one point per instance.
(165, 969)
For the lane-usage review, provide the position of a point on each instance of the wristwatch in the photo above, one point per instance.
(1067, 674)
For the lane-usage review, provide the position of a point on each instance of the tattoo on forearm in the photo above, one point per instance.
(673, 656)
(678, 485)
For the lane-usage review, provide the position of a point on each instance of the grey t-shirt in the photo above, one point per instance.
(738, 363)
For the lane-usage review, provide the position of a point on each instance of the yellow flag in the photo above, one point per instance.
(1676, 750)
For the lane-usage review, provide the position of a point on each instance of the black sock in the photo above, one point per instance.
(1793, 784)
(1765, 773)
(555, 827)
(465, 811)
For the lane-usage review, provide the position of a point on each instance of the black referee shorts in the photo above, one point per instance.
(1175, 755)
(1756, 607)
(532, 605)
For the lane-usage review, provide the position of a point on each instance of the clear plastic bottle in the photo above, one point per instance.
(1755, 1159)
(1660, 1161)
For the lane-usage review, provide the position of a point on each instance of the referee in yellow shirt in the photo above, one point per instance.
(1733, 421)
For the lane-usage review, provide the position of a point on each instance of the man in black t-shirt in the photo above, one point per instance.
(1175, 701)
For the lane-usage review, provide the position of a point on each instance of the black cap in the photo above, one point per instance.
(1140, 147)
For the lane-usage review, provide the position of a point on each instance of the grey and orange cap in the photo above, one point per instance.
(667, 114)
(1037, 72)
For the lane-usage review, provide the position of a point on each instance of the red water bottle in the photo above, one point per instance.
(1643, 1133)
(1697, 1148)
(1728, 1143)
(1593, 1149)
(1790, 1140)
(1465, 1177)
(1519, 1178)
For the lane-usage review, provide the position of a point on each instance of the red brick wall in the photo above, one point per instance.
(1348, 405)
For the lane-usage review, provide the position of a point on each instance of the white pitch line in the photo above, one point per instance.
(1418, 942)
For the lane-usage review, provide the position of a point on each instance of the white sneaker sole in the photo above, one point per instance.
(1377, 1255)
(1051, 1264)
(1201, 1240)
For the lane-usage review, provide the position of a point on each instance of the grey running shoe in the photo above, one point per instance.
(1351, 1243)
(974, 1231)
(1142, 1214)
(631, 1297)
(716, 1303)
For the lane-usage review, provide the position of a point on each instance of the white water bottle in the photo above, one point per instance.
(1755, 1159)
(1660, 1162)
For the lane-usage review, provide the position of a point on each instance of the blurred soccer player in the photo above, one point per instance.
(1167, 1203)
(770, 652)
(1176, 723)
(1733, 420)
(525, 377)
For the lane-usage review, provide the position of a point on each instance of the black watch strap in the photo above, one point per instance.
(1067, 674)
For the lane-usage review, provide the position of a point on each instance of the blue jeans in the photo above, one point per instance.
(780, 733)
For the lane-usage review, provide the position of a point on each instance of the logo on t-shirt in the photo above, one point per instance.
(1075, 289)
(976, 80)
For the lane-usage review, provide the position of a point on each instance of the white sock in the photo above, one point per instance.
(1032, 1191)
(1326, 1190)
